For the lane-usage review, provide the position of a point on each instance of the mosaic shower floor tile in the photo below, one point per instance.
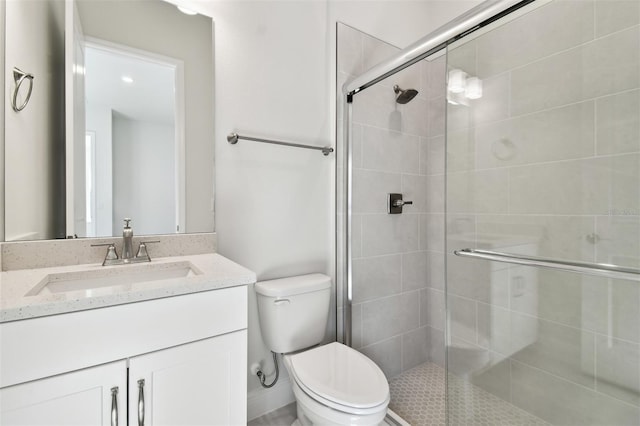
(418, 396)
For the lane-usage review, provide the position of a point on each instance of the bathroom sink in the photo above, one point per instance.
(122, 275)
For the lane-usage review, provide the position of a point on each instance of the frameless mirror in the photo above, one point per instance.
(119, 122)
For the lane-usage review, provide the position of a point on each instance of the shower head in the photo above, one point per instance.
(404, 96)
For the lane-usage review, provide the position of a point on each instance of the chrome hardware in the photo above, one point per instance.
(142, 255)
(400, 203)
(395, 203)
(112, 255)
(114, 406)
(233, 139)
(141, 402)
(478, 17)
(600, 269)
(19, 77)
(127, 241)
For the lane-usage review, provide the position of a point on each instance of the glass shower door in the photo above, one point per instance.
(543, 161)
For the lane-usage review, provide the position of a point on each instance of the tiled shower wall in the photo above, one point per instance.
(398, 260)
(547, 163)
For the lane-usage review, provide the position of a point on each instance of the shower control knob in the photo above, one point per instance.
(395, 203)
(400, 203)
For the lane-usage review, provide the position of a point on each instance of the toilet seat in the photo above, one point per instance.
(340, 377)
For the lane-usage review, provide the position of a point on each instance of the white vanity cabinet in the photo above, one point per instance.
(190, 351)
(85, 397)
(194, 384)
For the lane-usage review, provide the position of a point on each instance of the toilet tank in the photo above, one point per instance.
(293, 311)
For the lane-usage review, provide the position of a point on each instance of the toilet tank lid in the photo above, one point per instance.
(293, 285)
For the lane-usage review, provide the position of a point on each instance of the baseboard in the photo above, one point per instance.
(262, 401)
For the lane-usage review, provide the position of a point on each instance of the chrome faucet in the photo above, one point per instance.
(127, 249)
(127, 242)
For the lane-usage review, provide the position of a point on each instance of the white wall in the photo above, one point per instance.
(2, 27)
(273, 204)
(99, 122)
(143, 170)
(34, 149)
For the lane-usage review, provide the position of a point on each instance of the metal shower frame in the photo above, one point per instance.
(472, 20)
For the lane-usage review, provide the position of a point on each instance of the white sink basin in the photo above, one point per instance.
(121, 275)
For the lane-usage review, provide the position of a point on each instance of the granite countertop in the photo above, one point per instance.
(23, 296)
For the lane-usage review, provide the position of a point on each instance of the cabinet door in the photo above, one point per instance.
(83, 397)
(200, 383)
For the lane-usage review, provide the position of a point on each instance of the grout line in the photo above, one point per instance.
(525, 314)
(595, 363)
(510, 380)
(402, 273)
(542, 163)
(387, 129)
(563, 379)
(576, 46)
(541, 111)
(534, 215)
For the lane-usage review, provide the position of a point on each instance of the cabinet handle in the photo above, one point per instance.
(141, 402)
(114, 406)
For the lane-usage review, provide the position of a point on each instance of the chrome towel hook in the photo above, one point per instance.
(19, 77)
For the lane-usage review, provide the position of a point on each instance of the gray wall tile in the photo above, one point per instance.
(387, 234)
(591, 186)
(432, 309)
(435, 277)
(562, 351)
(618, 122)
(602, 67)
(462, 318)
(437, 345)
(558, 134)
(390, 151)
(415, 188)
(350, 58)
(566, 24)
(390, 316)
(614, 15)
(415, 270)
(370, 189)
(562, 402)
(618, 368)
(376, 277)
(415, 349)
(387, 354)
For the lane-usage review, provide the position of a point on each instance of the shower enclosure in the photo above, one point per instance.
(510, 288)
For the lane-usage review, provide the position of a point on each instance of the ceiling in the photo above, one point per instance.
(149, 97)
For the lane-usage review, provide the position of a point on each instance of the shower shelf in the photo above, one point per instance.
(600, 269)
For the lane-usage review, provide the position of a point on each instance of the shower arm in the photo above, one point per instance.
(473, 19)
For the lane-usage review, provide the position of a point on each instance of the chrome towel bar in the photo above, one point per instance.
(233, 139)
(600, 269)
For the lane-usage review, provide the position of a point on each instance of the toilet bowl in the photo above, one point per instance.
(337, 385)
(333, 384)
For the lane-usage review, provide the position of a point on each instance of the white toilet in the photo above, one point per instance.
(333, 384)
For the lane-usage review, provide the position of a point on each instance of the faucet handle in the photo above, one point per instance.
(142, 253)
(127, 220)
(112, 254)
